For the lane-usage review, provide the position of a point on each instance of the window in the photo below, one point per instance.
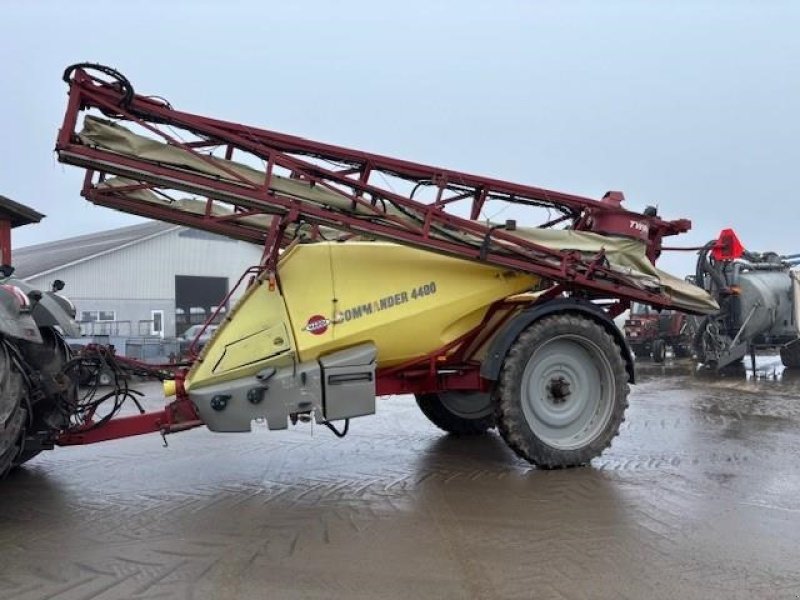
(98, 315)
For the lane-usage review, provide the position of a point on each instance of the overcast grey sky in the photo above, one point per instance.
(692, 106)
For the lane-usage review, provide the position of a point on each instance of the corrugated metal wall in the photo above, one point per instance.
(141, 277)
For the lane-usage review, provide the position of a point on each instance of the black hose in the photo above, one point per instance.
(124, 83)
(704, 267)
(339, 434)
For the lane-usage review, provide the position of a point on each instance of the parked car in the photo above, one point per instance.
(187, 338)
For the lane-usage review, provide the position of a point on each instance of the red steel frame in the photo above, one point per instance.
(356, 176)
(178, 415)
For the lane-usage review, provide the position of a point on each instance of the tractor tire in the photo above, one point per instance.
(790, 355)
(13, 411)
(659, 351)
(562, 393)
(458, 413)
(50, 356)
(48, 359)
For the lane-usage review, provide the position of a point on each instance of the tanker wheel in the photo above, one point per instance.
(659, 351)
(790, 355)
(13, 411)
(562, 393)
(459, 413)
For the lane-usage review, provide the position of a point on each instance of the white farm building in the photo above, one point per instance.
(149, 280)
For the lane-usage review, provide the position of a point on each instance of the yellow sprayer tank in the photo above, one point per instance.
(318, 340)
(407, 302)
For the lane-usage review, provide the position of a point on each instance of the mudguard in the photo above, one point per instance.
(490, 369)
(51, 310)
(16, 319)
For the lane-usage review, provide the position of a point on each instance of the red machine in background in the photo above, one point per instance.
(649, 333)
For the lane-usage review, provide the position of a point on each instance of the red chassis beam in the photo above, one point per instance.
(441, 370)
(178, 415)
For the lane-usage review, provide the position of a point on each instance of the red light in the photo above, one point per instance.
(728, 246)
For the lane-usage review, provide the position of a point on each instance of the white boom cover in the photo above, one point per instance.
(624, 255)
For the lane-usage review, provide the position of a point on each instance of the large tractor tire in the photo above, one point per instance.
(13, 411)
(459, 413)
(48, 359)
(790, 355)
(562, 393)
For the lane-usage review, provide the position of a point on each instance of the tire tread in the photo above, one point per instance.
(511, 422)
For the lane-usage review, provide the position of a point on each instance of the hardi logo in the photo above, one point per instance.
(317, 325)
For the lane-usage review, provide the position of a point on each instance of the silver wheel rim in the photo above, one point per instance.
(467, 405)
(567, 392)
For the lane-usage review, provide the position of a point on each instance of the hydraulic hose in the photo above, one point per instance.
(704, 267)
(125, 85)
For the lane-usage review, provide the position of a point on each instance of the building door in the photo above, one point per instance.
(196, 299)
(157, 323)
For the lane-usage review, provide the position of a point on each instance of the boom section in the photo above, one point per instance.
(271, 188)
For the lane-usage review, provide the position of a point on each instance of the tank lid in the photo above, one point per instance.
(727, 246)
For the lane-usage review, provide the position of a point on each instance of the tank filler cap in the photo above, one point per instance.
(727, 246)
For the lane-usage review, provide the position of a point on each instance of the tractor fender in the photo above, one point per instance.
(52, 310)
(16, 320)
(490, 369)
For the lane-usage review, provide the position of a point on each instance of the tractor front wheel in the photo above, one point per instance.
(459, 413)
(562, 393)
(659, 352)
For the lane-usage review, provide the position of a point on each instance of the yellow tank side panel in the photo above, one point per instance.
(335, 295)
(408, 302)
(307, 284)
(255, 335)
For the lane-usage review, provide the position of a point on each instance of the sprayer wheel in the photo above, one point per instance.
(562, 393)
(459, 413)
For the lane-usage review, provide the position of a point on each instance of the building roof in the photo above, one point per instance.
(17, 213)
(37, 260)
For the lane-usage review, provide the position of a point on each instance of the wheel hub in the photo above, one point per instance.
(567, 392)
(558, 390)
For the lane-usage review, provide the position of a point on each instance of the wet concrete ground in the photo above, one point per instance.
(698, 498)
